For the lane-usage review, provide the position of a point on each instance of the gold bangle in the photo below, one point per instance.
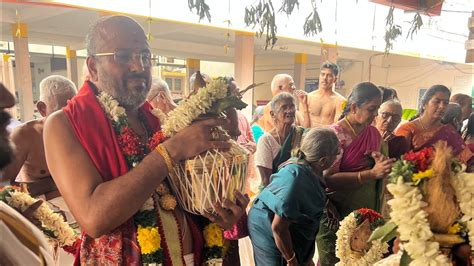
(166, 156)
(359, 177)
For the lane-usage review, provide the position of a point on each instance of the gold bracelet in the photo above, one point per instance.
(166, 156)
(359, 177)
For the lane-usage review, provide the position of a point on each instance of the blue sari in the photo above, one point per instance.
(294, 193)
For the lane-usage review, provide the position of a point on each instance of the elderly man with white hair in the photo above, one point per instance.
(160, 96)
(29, 165)
(280, 83)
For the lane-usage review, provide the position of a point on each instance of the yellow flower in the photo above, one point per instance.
(454, 229)
(416, 178)
(343, 104)
(213, 235)
(162, 189)
(168, 202)
(149, 239)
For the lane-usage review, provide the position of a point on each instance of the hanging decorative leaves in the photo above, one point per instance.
(392, 31)
(288, 6)
(263, 14)
(202, 9)
(416, 24)
(312, 25)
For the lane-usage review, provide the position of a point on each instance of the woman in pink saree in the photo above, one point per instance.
(426, 129)
(354, 180)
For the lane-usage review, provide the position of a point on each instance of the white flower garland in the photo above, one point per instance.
(190, 109)
(343, 246)
(463, 184)
(63, 233)
(160, 115)
(117, 114)
(407, 212)
(111, 107)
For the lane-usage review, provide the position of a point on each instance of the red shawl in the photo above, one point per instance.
(95, 133)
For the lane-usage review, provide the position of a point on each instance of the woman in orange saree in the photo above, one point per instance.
(426, 129)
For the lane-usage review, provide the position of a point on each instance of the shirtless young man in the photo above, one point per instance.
(29, 166)
(280, 83)
(323, 106)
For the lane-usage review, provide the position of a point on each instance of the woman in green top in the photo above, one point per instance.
(284, 219)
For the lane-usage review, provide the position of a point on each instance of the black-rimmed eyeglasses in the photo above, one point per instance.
(124, 56)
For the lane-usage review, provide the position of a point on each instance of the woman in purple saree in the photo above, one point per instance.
(354, 180)
(426, 129)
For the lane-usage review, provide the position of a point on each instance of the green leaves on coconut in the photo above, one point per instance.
(416, 24)
(263, 14)
(202, 9)
(312, 25)
(392, 31)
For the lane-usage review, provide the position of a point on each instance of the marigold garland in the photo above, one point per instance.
(149, 239)
(213, 244)
(148, 236)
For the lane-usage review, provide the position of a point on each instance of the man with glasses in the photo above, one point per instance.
(390, 115)
(160, 96)
(91, 164)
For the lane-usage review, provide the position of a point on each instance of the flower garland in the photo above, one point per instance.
(407, 208)
(145, 219)
(213, 244)
(463, 184)
(407, 212)
(347, 227)
(191, 108)
(52, 224)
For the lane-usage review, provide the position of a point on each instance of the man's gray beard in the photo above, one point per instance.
(128, 99)
(6, 152)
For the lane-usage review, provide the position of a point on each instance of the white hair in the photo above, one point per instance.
(192, 79)
(277, 80)
(158, 85)
(55, 85)
(318, 143)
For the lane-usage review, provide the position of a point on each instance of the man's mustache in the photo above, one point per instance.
(137, 76)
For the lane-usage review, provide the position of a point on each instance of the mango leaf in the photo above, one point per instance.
(386, 232)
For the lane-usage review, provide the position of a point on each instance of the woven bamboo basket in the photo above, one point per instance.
(206, 180)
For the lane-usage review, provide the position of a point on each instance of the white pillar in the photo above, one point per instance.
(23, 71)
(244, 67)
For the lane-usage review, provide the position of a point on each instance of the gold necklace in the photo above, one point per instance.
(421, 124)
(350, 126)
